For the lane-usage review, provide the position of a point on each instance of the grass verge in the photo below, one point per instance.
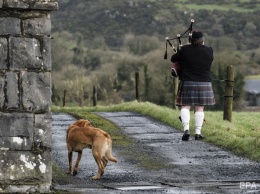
(241, 136)
(122, 142)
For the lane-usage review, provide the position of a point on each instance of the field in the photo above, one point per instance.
(253, 77)
(238, 6)
(241, 136)
(214, 7)
(234, 5)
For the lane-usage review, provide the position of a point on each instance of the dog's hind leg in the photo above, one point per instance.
(105, 161)
(75, 171)
(101, 168)
(70, 162)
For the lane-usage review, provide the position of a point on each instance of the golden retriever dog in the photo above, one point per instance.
(82, 134)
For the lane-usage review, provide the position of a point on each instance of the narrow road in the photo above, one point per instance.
(190, 167)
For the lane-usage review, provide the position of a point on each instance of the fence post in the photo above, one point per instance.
(94, 96)
(137, 82)
(64, 98)
(228, 98)
(175, 91)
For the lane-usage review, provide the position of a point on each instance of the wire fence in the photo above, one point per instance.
(227, 97)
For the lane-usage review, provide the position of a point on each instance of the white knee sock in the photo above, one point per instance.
(199, 118)
(185, 118)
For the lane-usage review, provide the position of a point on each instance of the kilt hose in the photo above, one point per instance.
(195, 93)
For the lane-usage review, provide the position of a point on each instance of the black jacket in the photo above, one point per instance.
(195, 62)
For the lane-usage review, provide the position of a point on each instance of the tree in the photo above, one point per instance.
(147, 81)
(239, 92)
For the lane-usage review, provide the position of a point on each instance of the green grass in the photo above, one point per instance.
(212, 7)
(253, 77)
(241, 136)
(59, 177)
(120, 140)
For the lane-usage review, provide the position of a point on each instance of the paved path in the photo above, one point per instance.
(193, 166)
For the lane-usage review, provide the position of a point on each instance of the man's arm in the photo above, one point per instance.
(175, 57)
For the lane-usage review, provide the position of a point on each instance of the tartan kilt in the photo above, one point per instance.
(195, 93)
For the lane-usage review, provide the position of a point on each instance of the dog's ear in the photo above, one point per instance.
(89, 124)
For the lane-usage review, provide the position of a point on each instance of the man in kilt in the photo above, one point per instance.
(195, 88)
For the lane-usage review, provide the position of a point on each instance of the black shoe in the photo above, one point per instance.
(186, 135)
(198, 137)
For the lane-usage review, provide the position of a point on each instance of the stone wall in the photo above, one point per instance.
(25, 95)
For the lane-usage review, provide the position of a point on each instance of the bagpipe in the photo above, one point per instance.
(175, 66)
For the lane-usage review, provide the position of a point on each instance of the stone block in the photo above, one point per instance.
(25, 168)
(21, 4)
(42, 133)
(29, 4)
(46, 5)
(24, 53)
(36, 91)
(10, 26)
(46, 54)
(3, 53)
(16, 125)
(37, 26)
(2, 93)
(12, 90)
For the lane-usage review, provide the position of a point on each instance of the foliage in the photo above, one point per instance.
(112, 20)
(103, 43)
(147, 81)
(219, 81)
(141, 45)
(242, 135)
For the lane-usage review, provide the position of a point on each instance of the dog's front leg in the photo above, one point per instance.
(75, 171)
(70, 162)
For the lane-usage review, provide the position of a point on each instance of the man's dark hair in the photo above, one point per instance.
(197, 41)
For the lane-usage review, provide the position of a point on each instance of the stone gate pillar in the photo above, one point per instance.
(25, 95)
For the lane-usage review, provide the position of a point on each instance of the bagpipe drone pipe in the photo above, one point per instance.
(175, 66)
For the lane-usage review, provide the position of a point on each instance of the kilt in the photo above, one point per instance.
(195, 93)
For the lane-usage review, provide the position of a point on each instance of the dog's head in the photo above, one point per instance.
(82, 123)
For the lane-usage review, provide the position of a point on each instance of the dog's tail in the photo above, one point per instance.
(109, 152)
(110, 157)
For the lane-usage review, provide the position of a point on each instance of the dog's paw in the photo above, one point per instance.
(68, 172)
(75, 173)
(96, 177)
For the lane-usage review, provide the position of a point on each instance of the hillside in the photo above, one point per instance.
(104, 43)
(113, 19)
